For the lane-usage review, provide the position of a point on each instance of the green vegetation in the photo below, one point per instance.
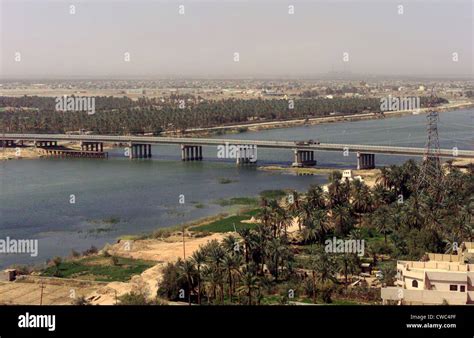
(98, 268)
(109, 220)
(153, 115)
(224, 180)
(272, 194)
(227, 224)
(398, 218)
(238, 201)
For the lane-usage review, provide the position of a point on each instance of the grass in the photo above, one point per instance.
(238, 201)
(227, 224)
(100, 268)
(272, 194)
(109, 220)
(224, 180)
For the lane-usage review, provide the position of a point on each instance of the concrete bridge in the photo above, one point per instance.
(191, 148)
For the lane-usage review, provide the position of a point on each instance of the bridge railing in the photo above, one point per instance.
(262, 143)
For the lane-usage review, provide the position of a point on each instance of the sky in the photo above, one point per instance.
(202, 43)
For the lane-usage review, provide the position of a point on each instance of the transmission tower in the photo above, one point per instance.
(431, 173)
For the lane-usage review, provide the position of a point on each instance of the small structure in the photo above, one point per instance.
(366, 268)
(8, 275)
(347, 175)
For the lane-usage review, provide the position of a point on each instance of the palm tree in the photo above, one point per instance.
(384, 178)
(275, 249)
(323, 265)
(380, 195)
(315, 225)
(381, 222)
(215, 258)
(230, 243)
(187, 268)
(411, 215)
(334, 176)
(199, 258)
(361, 198)
(249, 283)
(310, 233)
(231, 263)
(315, 197)
(294, 208)
(342, 219)
(336, 194)
(246, 235)
(275, 214)
(348, 264)
(264, 214)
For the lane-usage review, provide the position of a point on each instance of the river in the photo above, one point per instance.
(117, 196)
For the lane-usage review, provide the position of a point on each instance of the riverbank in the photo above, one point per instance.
(31, 152)
(258, 126)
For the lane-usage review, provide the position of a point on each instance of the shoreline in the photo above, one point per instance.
(232, 129)
(33, 153)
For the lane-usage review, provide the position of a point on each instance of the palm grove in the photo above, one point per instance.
(397, 218)
(120, 116)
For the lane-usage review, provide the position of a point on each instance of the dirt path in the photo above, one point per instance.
(162, 251)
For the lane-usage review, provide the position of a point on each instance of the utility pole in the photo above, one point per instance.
(184, 244)
(41, 297)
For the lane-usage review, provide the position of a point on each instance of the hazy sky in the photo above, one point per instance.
(202, 42)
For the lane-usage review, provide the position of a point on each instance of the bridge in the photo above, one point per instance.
(191, 148)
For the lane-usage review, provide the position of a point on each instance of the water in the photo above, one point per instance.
(456, 129)
(142, 195)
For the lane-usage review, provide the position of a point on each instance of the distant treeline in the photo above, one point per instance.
(115, 115)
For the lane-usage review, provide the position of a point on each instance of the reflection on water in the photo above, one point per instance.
(118, 196)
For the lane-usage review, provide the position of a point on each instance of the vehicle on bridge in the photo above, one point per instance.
(307, 143)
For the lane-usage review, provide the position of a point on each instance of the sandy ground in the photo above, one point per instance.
(59, 291)
(161, 251)
(28, 293)
(19, 153)
(30, 152)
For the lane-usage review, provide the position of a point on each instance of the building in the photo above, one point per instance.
(8, 275)
(442, 279)
(347, 175)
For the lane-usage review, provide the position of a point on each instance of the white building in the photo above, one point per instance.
(443, 279)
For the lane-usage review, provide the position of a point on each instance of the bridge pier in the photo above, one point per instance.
(304, 158)
(92, 146)
(46, 144)
(246, 154)
(60, 153)
(365, 161)
(139, 150)
(191, 153)
(8, 143)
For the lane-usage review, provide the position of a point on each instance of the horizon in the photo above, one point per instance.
(202, 42)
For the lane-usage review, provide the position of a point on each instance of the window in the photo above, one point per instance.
(414, 283)
(463, 288)
(453, 288)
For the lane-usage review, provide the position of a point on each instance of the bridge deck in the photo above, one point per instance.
(259, 143)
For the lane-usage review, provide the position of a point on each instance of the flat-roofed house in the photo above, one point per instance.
(443, 279)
